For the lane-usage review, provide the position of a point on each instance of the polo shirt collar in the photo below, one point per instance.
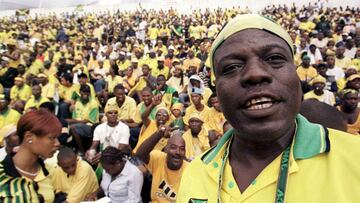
(310, 140)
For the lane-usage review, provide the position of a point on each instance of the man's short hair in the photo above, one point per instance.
(85, 88)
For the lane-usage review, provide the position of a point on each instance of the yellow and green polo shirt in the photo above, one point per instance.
(32, 102)
(23, 93)
(323, 167)
(88, 111)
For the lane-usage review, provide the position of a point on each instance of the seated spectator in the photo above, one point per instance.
(121, 180)
(169, 94)
(216, 118)
(73, 177)
(7, 115)
(36, 99)
(166, 167)
(196, 137)
(349, 100)
(85, 113)
(20, 91)
(178, 120)
(319, 92)
(197, 107)
(111, 133)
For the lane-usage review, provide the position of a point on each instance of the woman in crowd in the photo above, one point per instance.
(24, 176)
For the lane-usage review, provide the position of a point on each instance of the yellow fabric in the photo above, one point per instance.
(175, 83)
(92, 90)
(123, 65)
(343, 63)
(77, 186)
(48, 90)
(306, 74)
(355, 127)
(130, 81)
(127, 109)
(140, 106)
(156, 72)
(20, 94)
(311, 95)
(307, 181)
(247, 21)
(195, 146)
(216, 120)
(160, 172)
(82, 111)
(204, 114)
(356, 62)
(153, 33)
(138, 86)
(112, 82)
(66, 93)
(191, 62)
(32, 102)
(45, 184)
(146, 132)
(11, 116)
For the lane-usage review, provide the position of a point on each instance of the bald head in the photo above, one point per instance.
(67, 160)
(175, 150)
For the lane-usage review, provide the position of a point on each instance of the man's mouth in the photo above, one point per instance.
(259, 103)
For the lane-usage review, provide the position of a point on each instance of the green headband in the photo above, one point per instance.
(248, 21)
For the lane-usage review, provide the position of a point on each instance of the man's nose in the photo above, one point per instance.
(255, 72)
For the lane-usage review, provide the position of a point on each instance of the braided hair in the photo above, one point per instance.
(112, 155)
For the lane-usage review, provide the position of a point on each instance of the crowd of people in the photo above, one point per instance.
(118, 105)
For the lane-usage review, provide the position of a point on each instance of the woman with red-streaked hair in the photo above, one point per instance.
(24, 176)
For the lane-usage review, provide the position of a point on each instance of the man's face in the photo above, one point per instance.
(82, 80)
(85, 96)
(145, 70)
(260, 67)
(112, 116)
(175, 150)
(3, 104)
(330, 60)
(340, 51)
(350, 101)
(215, 103)
(160, 82)
(68, 165)
(36, 91)
(195, 125)
(196, 98)
(355, 83)
(161, 117)
(120, 95)
(191, 54)
(147, 97)
(19, 83)
(318, 87)
(306, 62)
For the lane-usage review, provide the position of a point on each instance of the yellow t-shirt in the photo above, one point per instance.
(153, 33)
(156, 71)
(112, 82)
(146, 132)
(32, 102)
(123, 65)
(195, 146)
(10, 116)
(216, 120)
(343, 63)
(77, 186)
(48, 90)
(204, 114)
(88, 111)
(126, 110)
(175, 83)
(67, 93)
(24, 93)
(165, 182)
(45, 184)
(306, 74)
(318, 172)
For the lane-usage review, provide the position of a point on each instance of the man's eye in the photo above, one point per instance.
(276, 59)
(230, 68)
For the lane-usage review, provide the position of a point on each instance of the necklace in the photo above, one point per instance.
(27, 173)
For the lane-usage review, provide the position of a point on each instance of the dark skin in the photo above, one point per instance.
(349, 107)
(258, 65)
(319, 88)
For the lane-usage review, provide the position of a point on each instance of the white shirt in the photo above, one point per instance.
(112, 136)
(335, 72)
(126, 187)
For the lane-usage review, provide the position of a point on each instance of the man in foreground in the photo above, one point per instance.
(272, 153)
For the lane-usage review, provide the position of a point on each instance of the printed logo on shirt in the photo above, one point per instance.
(166, 192)
(193, 200)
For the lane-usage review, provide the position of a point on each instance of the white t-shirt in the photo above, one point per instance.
(336, 72)
(112, 136)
